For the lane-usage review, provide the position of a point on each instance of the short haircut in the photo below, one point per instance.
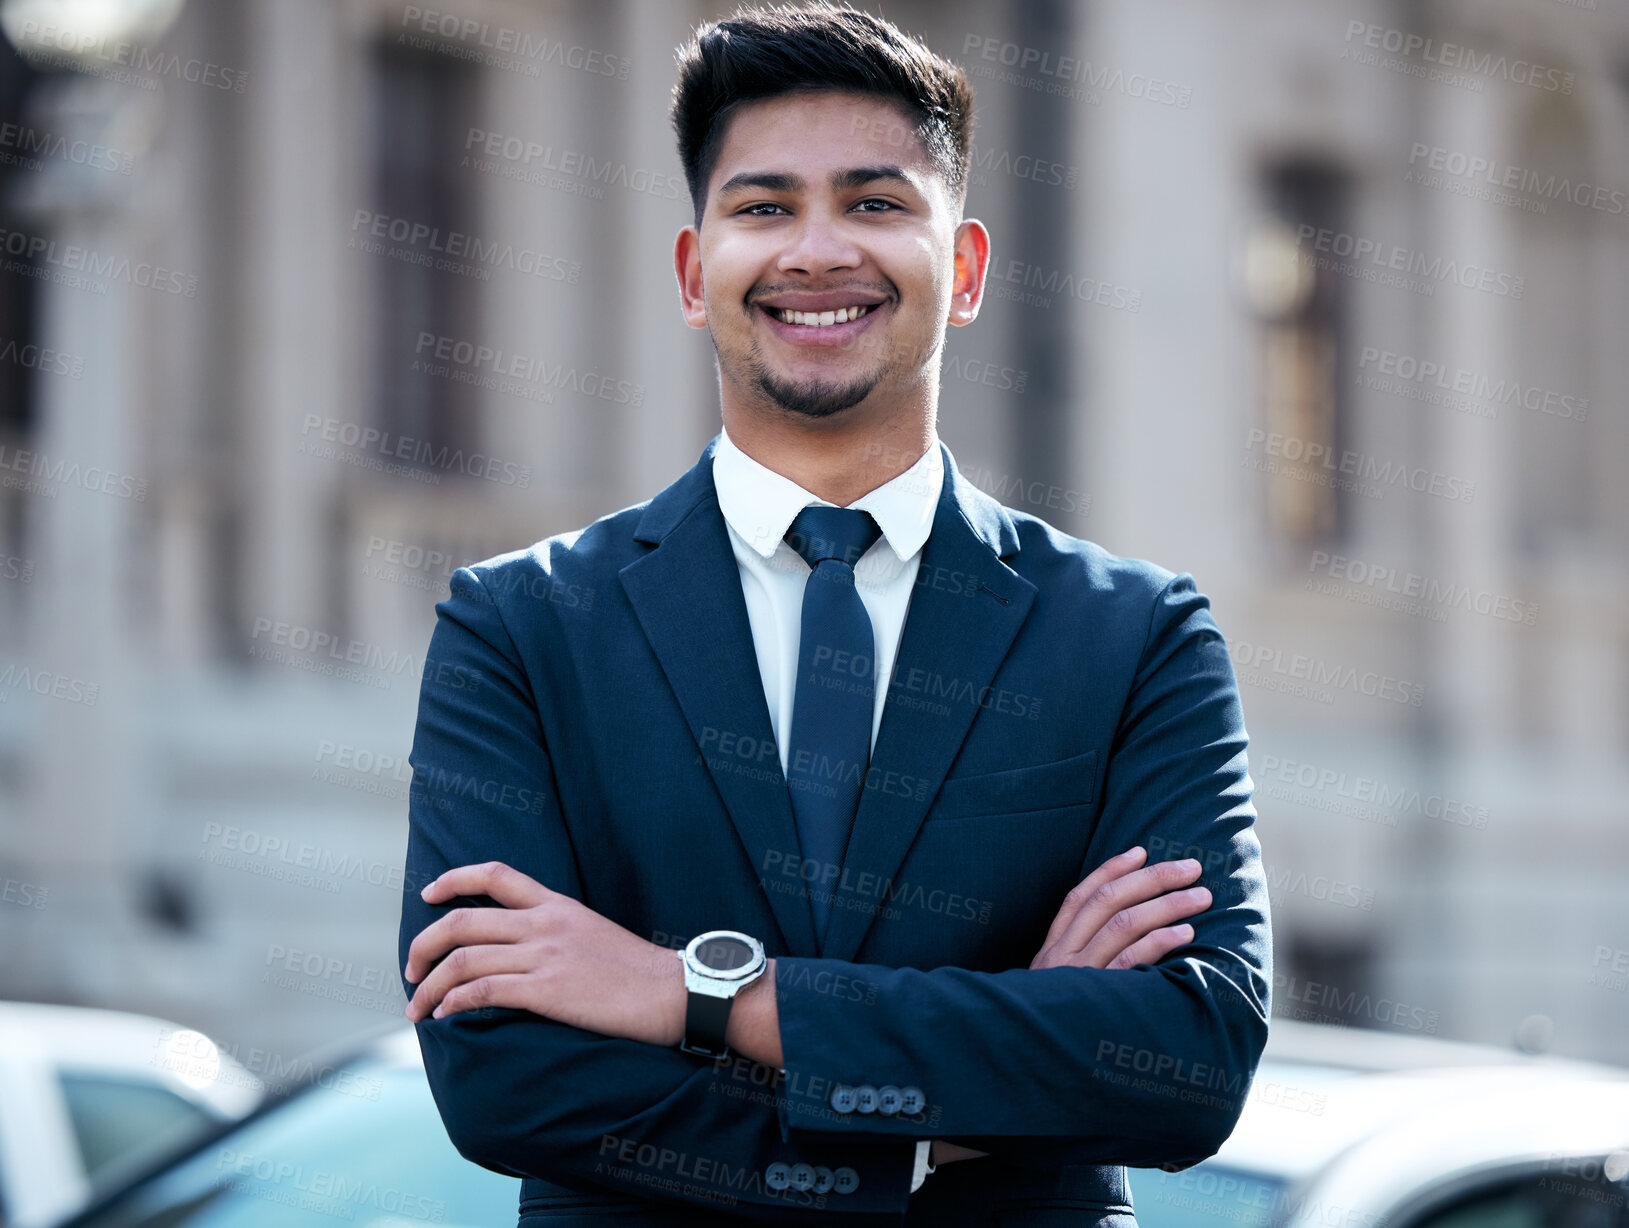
(766, 52)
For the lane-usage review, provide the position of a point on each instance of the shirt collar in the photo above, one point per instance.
(760, 504)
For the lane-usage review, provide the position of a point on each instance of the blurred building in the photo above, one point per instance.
(303, 303)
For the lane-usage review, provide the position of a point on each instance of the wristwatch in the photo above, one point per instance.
(717, 965)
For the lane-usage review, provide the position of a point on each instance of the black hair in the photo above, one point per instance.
(765, 52)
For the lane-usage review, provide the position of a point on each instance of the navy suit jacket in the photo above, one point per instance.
(591, 713)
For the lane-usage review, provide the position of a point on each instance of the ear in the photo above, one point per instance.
(972, 258)
(687, 265)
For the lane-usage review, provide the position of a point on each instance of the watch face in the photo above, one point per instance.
(723, 954)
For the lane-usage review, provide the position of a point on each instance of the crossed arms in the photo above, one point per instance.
(550, 954)
(1130, 1039)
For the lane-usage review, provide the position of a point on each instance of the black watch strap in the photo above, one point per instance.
(705, 1020)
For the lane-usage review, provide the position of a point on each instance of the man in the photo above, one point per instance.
(849, 732)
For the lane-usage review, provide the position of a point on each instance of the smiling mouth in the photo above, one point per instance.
(820, 319)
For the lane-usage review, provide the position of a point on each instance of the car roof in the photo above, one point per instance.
(1322, 1091)
(125, 1043)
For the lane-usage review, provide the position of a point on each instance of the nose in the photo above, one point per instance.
(817, 244)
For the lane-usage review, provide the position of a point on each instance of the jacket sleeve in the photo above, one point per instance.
(1144, 1066)
(527, 1096)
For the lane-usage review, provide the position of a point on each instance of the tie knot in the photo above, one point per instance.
(841, 533)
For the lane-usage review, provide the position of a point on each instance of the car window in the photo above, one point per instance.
(122, 1123)
(1569, 1193)
(367, 1146)
(1205, 1196)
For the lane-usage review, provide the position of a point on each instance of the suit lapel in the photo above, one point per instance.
(964, 613)
(687, 596)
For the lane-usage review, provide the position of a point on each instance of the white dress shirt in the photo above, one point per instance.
(759, 506)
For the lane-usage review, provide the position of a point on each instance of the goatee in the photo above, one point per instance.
(810, 398)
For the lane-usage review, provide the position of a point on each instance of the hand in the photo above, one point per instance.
(543, 952)
(1117, 917)
(1120, 915)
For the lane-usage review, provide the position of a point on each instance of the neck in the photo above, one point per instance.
(837, 461)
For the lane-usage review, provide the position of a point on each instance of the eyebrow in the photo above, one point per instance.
(841, 181)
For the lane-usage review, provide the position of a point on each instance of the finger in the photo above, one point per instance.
(1114, 895)
(505, 884)
(504, 989)
(1126, 928)
(463, 965)
(1052, 949)
(1155, 947)
(459, 928)
(1132, 925)
(1125, 892)
(1115, 867)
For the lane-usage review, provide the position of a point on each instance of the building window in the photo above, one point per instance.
(1558, 462)
(422, 104)
(1329, 980)
(19, 334)
(1302, 427)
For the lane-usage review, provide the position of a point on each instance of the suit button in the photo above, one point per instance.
(803, 1176)
(842, 1098)
(889, 1098)
(914, 1103)
(778, 1176)
(846, 1180)
(824, 1179)
(865, 1098)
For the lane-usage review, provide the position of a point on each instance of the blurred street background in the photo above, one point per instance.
(304, 303)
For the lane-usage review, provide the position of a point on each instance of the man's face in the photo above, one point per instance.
(829, 257)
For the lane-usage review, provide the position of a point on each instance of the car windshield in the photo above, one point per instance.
(367, 1147)
(1205, 1196)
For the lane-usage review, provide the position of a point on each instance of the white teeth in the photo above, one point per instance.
(820, 319)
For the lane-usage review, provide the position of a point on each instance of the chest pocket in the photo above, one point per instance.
(1039, 787)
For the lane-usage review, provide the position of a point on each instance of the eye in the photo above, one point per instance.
(875, 200)
(753, 210)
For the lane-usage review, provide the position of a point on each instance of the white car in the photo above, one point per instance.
(1342, 1129)
(1349, 1128)
(89, 1097)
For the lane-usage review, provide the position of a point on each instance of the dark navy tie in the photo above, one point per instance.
(830, 746)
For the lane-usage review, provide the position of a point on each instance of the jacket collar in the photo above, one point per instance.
(986, 517)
